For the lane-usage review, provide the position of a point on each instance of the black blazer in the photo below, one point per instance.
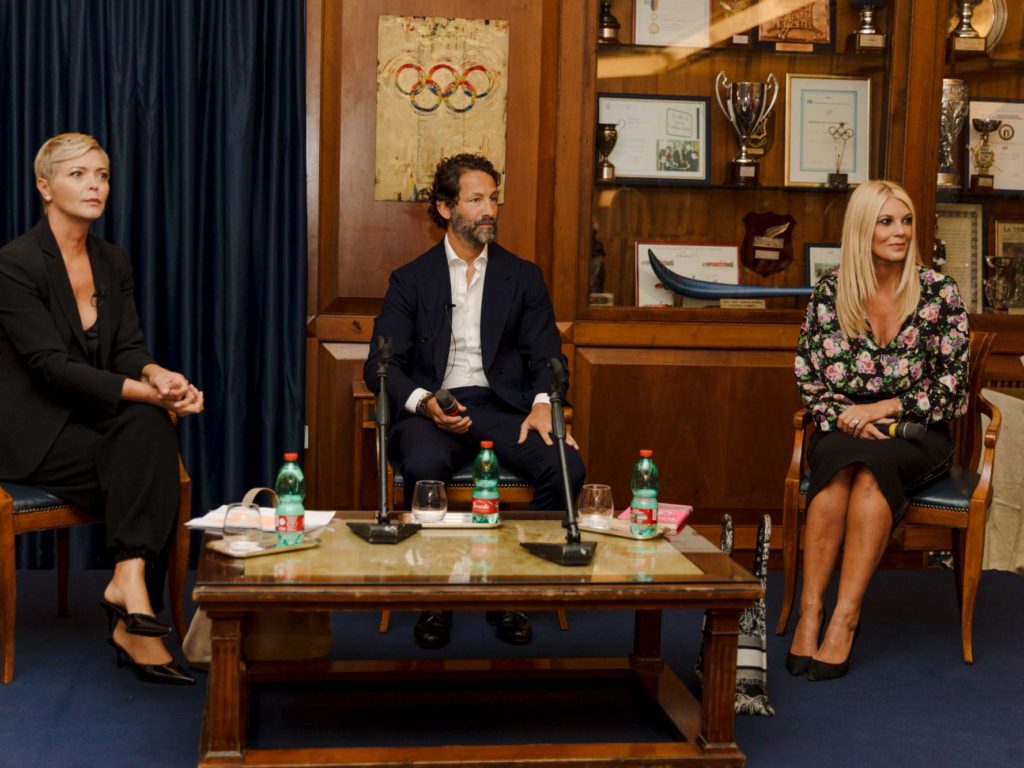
(45, 371)
(518, 331)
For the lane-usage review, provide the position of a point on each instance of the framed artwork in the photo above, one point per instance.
(702, 261)
(828, 128)
(1004, 143)
(672, 22)
(1009, 239)
(808, 29)
(661, 139)
(819, 260)
(960, 226)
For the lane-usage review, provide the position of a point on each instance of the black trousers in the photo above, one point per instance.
(123, 469)
(421, 451)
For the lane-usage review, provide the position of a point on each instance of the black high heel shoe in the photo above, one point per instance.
(798, 665)
(134, 623)
(165, 674)
(822, 670)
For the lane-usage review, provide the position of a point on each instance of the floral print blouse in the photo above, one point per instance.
(925, 365)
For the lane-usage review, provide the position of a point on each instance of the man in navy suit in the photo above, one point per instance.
(475, 319)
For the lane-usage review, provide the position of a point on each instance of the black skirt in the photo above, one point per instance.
(898, 465)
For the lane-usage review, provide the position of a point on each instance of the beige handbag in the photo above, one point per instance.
(271, 636)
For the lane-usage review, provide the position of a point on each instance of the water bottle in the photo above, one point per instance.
(485, 484)
(291, 489)
(643, 516)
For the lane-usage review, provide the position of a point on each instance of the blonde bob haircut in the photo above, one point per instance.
(858, 283)
(64, 146)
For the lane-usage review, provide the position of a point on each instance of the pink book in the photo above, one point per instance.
(672, 517)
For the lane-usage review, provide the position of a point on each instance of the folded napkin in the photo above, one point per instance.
(214, 519)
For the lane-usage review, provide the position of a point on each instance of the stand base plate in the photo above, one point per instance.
(383, 533)
(563, 554)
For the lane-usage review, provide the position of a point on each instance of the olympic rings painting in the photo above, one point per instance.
(441, 89)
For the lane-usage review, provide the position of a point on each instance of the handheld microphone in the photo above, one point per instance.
(447, 401)
(908, 430)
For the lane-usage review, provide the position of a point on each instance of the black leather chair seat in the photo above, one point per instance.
(28, 498)
(951, 491)
(463, 478)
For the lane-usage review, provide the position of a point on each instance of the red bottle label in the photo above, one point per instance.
(485, 506)
(291, 523)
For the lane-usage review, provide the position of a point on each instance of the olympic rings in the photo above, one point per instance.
(442, 83)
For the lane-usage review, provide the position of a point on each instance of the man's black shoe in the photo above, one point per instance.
(513, 627)
(434, 629)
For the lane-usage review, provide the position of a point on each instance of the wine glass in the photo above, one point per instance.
(429, 501)
(243, 528)
(596, 506)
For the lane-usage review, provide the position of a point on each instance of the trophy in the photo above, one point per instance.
(1002, 285)
(607, 135)
(867, 37)
(984, 156)
(608, 26)
(965, 37)
(954, 111)
(747, 106)
(841, 134)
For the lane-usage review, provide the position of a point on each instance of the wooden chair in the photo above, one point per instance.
(958, 501)
(513, 489)
(25, 508)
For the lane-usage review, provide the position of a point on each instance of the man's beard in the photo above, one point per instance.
(473, 231)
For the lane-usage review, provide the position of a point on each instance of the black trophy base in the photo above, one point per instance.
(838, 181)
(982, 183)
(742, 174)
(862, 42)
(563, 554)
(383, 533)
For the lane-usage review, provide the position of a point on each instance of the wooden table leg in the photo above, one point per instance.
(224, 723)
(646, 638)
(718, 714)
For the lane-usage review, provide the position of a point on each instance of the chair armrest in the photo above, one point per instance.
(801, 422)
(359, 390)
(983, 490)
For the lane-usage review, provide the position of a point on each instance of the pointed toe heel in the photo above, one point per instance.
(822, 670)
(134, 623)
(798, 665)
(170, 673)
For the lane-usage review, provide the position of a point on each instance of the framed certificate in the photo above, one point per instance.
(828, 128)
(672, 22)
(661, 139)
(819, 260)
(714, 263)
(1004, 142)
(960, 227)
(808, 29)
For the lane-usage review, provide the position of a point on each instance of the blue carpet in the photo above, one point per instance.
(909, 700)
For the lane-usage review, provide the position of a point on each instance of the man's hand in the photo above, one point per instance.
(539, 420)
(458, 424)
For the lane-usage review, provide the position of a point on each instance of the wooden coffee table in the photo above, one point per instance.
(482, 570)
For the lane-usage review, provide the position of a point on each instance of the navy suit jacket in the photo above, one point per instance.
(518, 331)
(45, 370)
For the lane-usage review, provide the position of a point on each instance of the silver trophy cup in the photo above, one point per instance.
(747, 106)
(953, 114)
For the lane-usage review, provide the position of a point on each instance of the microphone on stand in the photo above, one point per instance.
(573, 551)
(383, 531)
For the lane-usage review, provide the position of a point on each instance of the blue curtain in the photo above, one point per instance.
(201, 107)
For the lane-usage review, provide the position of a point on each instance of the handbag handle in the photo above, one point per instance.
(252, 493)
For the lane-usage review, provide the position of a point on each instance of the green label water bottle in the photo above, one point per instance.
(485, 484)
(643, 516)
(291, 491)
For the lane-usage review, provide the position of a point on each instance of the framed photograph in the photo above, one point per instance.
(960, 226)
(809, 29)
(701, 261)
(1006, 142)
(828, 128)
(819, 260)
(672, 22)
(661, 139)
(1009, 239)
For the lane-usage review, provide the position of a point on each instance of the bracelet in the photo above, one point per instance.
(421, 406)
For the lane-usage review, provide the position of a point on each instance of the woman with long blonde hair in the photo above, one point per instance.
(884, 339)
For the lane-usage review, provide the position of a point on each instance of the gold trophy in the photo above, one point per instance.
(841, 134)
(984, 156)
(608, 26)
(867, 37)
(607, 135)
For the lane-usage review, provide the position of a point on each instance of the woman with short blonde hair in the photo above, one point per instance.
(884, 339)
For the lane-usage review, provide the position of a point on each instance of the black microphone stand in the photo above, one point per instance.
(573, 551)
(383, 531)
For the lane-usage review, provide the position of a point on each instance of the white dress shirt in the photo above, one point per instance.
(465, 366)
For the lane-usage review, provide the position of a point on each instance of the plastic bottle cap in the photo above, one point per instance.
(486, 443)
(646, 453)
(291, 457)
